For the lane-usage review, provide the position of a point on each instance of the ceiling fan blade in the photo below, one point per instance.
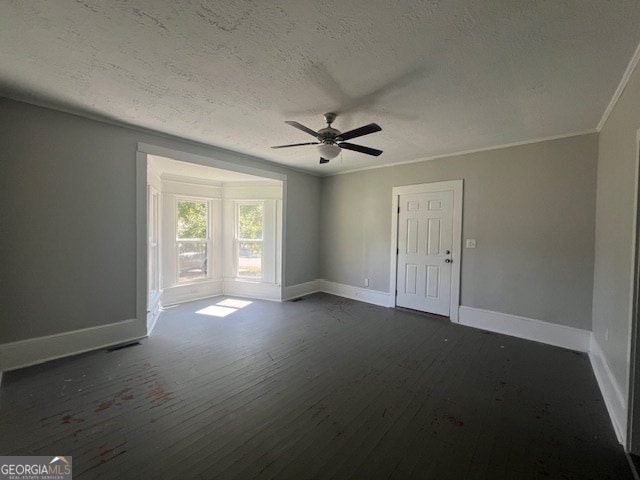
(296, 145)
(358, 132)
(360, 148)
(323, 160)
(299, 126)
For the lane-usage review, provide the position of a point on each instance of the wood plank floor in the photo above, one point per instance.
(323, 388)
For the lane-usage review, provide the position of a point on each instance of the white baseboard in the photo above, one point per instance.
(24, 353)
(258, 290)
(561, 336)
(528, 328)
(611, 391)
(301, 289)
(374, 297)
(191, 291)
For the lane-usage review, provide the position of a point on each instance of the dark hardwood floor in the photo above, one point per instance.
(316, 389)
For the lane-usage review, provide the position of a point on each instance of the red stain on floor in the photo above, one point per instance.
(104, 454)
(105, 451)
(55, 416)
(71, 419)
(159, 395)
(104, 405)
(116, 400)
(455, 421)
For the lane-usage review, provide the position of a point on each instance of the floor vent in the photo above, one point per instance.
(121, 346)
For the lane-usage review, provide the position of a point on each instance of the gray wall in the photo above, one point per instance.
(617, 179)
(302, 240)
(68, 250)
(68, 241)
(530, 208)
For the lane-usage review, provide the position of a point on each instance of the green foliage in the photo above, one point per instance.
(250, 221)
(250, 228)
(192, 219)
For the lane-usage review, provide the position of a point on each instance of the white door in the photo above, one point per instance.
(425, 243)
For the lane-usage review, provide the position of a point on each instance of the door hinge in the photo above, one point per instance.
(397, 251)
(398, 209)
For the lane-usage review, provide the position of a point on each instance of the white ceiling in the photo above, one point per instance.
(439, 76)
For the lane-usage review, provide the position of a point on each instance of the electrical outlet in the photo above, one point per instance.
(470, 243)
(366, 282)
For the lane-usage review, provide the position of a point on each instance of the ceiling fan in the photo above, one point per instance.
(331, 141)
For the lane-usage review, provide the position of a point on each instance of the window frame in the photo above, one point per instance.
(208, 240)
(237, 240)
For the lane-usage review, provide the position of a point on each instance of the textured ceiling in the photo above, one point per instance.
(439, 76)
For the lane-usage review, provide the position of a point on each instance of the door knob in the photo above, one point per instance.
(447, 260)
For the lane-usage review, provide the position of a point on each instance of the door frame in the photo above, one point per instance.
(451, 185)
(632, 440)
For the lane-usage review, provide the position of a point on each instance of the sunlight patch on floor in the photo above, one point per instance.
(224, 308)
(234, 303)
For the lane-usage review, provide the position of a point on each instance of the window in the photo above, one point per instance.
(249, 239)
(193, 240)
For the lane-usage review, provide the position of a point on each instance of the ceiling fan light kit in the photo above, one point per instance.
(331, 141)
(329, 150)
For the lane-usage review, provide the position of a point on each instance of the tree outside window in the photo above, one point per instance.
(192, 239)
(249, 239)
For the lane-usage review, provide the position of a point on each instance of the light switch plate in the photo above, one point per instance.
(470, 243)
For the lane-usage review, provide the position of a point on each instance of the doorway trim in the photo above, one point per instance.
(451, 185)
(632, 441)
(220, 159)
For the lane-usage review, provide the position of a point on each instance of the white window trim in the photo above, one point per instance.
(208, 239)
(237, 240)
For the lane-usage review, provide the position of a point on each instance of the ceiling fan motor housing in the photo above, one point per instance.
(328, 135)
